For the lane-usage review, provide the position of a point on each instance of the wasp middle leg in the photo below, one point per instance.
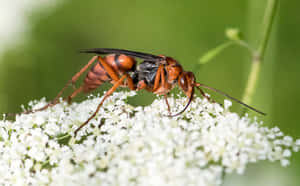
(108, 93)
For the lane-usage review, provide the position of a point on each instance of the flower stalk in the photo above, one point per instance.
(260, 52)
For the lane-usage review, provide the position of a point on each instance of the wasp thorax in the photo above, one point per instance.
(173, 69)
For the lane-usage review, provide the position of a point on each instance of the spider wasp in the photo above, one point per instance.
(156, 73)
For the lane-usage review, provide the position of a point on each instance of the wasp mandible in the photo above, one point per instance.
(156, 73)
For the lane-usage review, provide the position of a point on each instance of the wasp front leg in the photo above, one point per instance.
(204, 95)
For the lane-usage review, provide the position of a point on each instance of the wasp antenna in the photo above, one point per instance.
(232, 98)
(187, 105)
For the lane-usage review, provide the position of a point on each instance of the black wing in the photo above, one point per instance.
(148, 57)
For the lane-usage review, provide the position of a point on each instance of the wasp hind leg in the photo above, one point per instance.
(108, 93)
(70, 82)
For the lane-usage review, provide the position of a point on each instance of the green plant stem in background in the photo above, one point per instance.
(212, 53)
(259, 54)
(252, 79)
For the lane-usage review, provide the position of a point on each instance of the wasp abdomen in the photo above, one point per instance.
(98, 75)
(121, 63)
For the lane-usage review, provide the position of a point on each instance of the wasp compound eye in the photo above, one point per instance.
(183, 83)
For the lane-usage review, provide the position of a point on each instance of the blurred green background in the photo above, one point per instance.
(40, 66)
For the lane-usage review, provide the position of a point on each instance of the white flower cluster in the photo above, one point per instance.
(134, 145)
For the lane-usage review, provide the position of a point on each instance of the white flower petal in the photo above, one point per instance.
(135, 145)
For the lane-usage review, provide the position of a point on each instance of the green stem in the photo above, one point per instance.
(259, 54)
(267, 25)
(252, 79)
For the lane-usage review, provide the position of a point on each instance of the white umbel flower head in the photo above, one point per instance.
(135, 145)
